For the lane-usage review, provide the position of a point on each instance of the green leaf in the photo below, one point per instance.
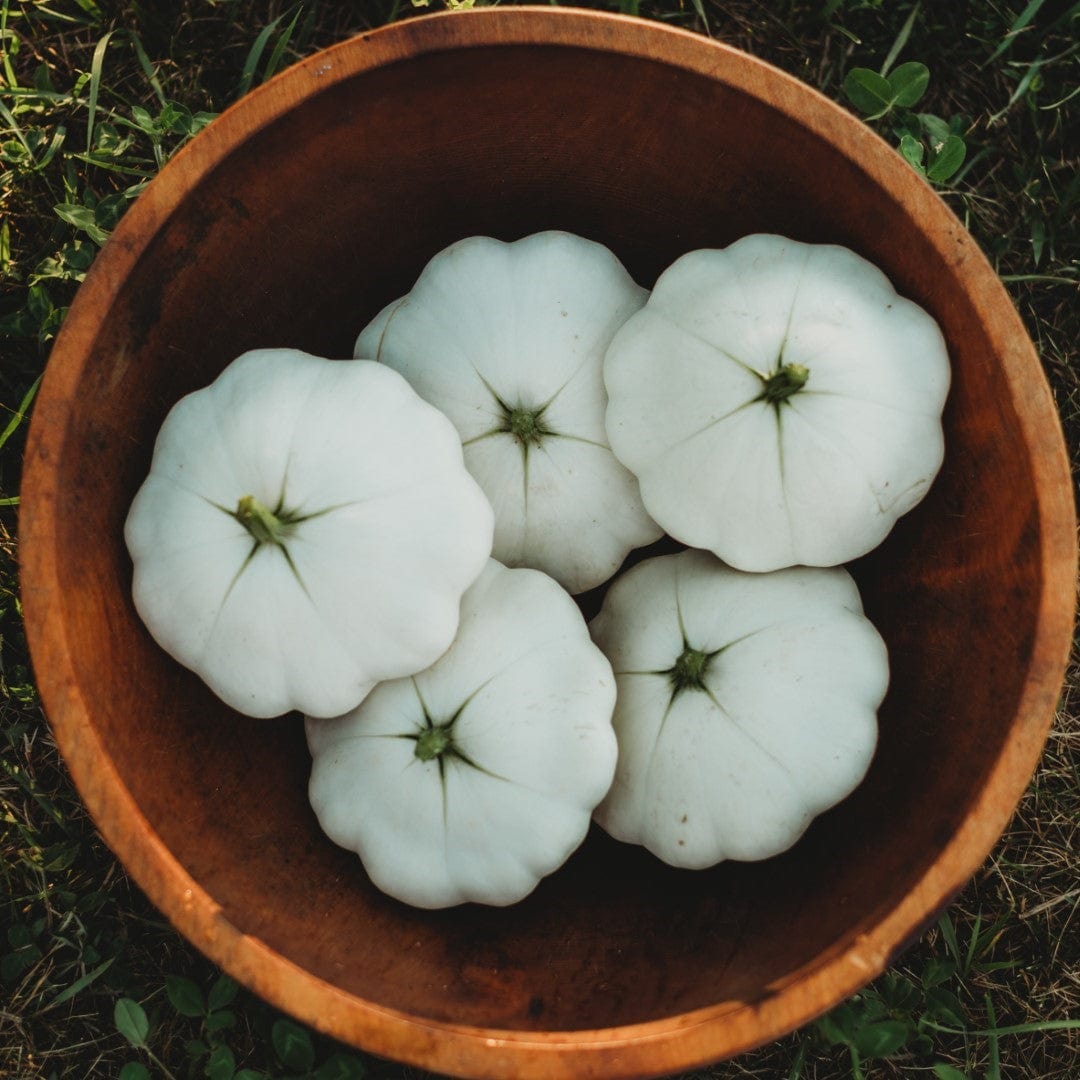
(922, 1045)
(60, 856)
(110, 210)
(250, 1074)
(938, 969)
(15, 964)
(134, 1070)
(43, 79)
(898, 993)
(947, 160)
(222, 992)
(19, 934)
(293, 1045)
(870, 1007)
(340, 1067)
(944, 1071)
(200, 119)
(868, 91)
(908, 83)
(907, 123)
(142, 118)
(913, 152)
(882, 1038)
(77, 256)
(109, 142)
(944, 1005)
(218, 1021)
(221, 1064)
(82, 217)
(937, 131)
(185, 996)
(174, 118)
(833, 1030)
(131, 1022)
(196, 1049)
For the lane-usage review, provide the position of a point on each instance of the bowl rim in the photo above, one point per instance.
(654, 1047)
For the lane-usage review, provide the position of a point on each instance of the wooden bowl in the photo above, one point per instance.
(291, 221)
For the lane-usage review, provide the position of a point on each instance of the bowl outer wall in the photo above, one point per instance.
(671, 1043)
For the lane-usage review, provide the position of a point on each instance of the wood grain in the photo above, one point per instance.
(292, 220)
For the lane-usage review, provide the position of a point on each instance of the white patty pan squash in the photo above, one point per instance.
(508, 340)
(747, 704)
(307, 530)
(478, 777)
(779, 402)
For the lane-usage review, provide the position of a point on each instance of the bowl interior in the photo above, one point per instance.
(297, 236)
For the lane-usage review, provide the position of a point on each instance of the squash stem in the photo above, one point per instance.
(263, 524)
(526, 424)
(433, 742)
(688, 672)
(790, 379)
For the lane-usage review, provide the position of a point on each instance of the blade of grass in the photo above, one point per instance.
(251, 63)
(699, 10)
(91, 9)
(5, 33)
(36, 97)
(973, 944)
(1043, 279)
(95, 88)
(900, 42)
(49, 13)
(993, 1068)
(280, 46)
(971, 162)
(9, 118)
(797, 1064)
(109, 166)
(948, 932)
(20, 414)
(1021, 87)
(1012, 1029)
(1033, 69)
(147, 67)
(1022, 20)
(78, 986)
(55, 143)
(1061, 101)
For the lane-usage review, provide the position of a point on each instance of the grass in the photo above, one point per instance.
(94, 97)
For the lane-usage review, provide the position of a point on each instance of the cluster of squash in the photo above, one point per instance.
(389, 545)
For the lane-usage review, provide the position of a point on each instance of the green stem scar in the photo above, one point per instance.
(688, 671)
(790, 379)
(526, 424)
(434, 741)
(266, 526)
